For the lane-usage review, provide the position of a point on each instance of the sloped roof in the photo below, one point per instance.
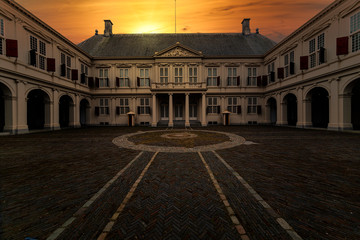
(145, 45)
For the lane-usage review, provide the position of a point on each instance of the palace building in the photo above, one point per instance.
(309, 79)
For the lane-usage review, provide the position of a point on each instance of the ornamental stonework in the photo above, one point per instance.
(178, 52)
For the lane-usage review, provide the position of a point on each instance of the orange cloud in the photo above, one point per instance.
(77, 20)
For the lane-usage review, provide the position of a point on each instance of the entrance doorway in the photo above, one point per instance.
(193, 112)
(179, 112)
(164, 112)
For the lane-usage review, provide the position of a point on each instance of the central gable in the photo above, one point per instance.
(178, 51)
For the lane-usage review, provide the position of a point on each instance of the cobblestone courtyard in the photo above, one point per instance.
(278, 183)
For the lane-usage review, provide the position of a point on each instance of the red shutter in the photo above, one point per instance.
(238, 80)
(218, 80)
(117, 82)
(11, 48)
(258, 81)
(304, 62)
(280, 73)
(50, 63)
(342, 46)
(74, 75)
(97, 82)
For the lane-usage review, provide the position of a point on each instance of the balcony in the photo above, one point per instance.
(178, 86)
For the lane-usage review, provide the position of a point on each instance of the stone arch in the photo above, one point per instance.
(38, 109)
(66, 111)
(85, 112)
(271, 109)
(351, 104)
(319, 106)
(290, 100)
(6, 108)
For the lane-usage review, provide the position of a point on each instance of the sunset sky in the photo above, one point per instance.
(78, 19)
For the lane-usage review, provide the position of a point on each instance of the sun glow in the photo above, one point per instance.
(147, 28)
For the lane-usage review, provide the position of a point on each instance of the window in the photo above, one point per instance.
(2, 35)
(124, 77)
(37, 53)
(232, 77)
(232, 104)
(144, 77)
(317, 51)
(288, 60)
(312, 53)
(65, 65)
(144, 106)
(103, 77)
(84, 73)
(178, 74)
(124, 106)
(212, 77)
(213, 105)
(271, 72)
(164, 75)
(252, 104)
(104, 106)
(251, 80)
(193, 74)
(355, 32)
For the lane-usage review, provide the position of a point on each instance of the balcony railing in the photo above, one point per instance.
(183, 85)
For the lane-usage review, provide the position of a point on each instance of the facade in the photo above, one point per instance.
(310, 79)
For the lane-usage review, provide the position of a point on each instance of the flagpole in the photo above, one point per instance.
(175, 16)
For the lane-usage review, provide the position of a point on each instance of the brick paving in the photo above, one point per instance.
(310, 178)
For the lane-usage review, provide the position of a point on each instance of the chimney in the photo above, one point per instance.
(246, 26)
(108, 28)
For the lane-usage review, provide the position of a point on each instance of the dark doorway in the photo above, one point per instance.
(273, 110)
(355, 106)
(84, 106)
(2, 110)
(64, 111)
(36, 109)
(319, 107)
(291, 102)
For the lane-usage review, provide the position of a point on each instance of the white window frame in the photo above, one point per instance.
(144, 77)
(252, 75)
(288, 58)
(164, 75)
(355, 32)
(312, 52)
(67, 60)
(252, 105)
(193, 74)
(103, 77)
(124, 106)
(232, 76)
(213, 103)
(40, 50)
(144, 106)
(271, 68)
(124, 77)
(212, 76)
(2, 35)
(104, 106)
(232, 104)
(84, 69)
(179, 74)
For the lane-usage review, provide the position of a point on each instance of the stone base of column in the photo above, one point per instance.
(22, 129)
(203, 124)
(154, 124)
(305, 124)
(170, 124)
(342, 126)
(187, 124)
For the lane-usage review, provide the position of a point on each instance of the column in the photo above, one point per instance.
(10, 114)
(21, 109)
(171, 122)
(113, 112)
(334, 106)
(187, 119)
(154, 111)
(222, 108)
(300, 107)
(77, 112)
(203, 110)
(243, 109)
(134, 109)
(55, 112)
(345, 112)
(307, 113)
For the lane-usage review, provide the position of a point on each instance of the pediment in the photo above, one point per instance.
(177, 51)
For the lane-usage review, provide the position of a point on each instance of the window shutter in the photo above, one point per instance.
(138, 81)
(128, 82)
(107, 111)
(97, 111)
(304, 62)
(117, 110)
(148, 109)
(292, 68)
(342, 46)
(63, 70)
(322, 55)
(91, 82)
(238, 80)
(239, 109)
(218, 80)
(33, 57)
(264, 80)
(117, 82)
(258, 81)
(138, 110)
(272, 76)
(74, 74)
(11, 48)
(83, 78)
(280, 73)
(97, 82)
(50, 62)
(258, 109)
(218, 109)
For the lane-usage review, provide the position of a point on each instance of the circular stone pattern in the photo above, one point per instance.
(178, 140)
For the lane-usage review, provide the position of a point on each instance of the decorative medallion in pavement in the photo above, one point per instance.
(179, 140)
